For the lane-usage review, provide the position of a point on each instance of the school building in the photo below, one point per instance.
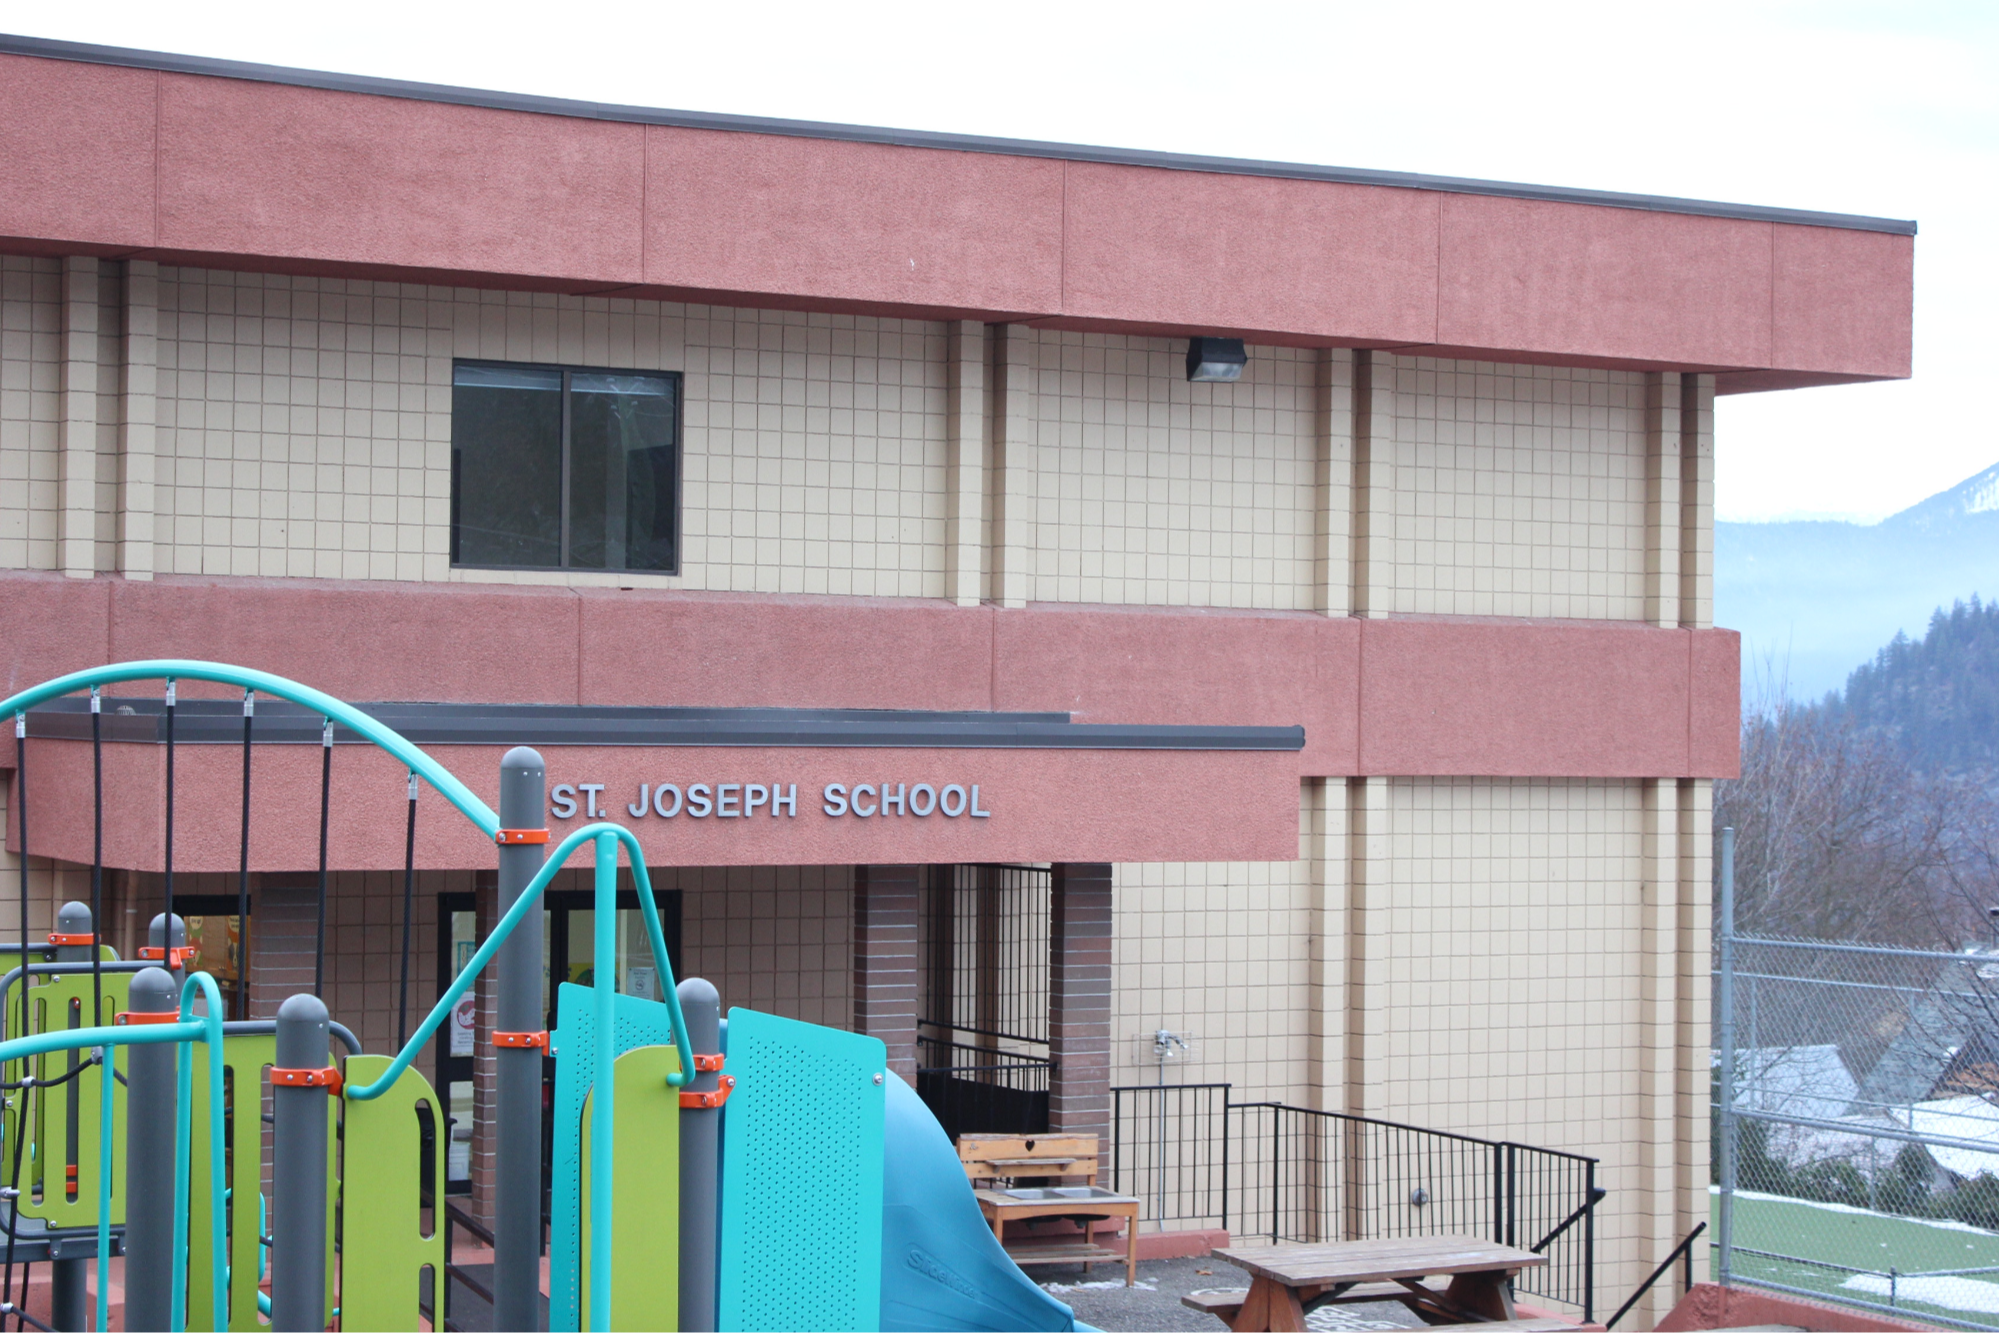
(1120, 616)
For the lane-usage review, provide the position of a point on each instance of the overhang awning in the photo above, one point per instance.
(748, 786)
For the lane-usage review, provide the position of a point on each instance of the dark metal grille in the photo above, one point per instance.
(983, 935)
(976, 1090)
(1290, 1173)
(982, 1044)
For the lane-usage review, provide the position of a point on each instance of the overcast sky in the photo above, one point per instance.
(1889, 109)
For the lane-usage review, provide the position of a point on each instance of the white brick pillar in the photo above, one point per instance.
(76, 429)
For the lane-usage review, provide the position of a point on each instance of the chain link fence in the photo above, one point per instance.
(1857, 1124)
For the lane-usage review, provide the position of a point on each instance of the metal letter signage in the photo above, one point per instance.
(756, 800)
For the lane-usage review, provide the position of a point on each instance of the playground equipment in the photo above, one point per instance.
(803, 1187)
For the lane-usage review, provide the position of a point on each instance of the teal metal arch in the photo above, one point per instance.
(605, 839)
(263, 682)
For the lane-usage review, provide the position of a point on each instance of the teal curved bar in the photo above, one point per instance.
(263, 682)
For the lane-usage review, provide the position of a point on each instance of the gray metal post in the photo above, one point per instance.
(149, 1162)
(1725, 1035)
(69, 1297)
(73, 918)
(517, 1069)
(157, 937)
(700, 1161)
(298, 1171)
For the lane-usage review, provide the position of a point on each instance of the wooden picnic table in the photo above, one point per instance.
(1286, 1281)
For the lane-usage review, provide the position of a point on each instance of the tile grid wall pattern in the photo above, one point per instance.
(110, 410)
(1153, 491)
(30, 402)
(305, 425)
(1513, 490)
(1513, 1009)
(304, 430)
(773, 938)
(1219, 952)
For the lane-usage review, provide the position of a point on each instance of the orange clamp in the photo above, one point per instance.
(521, 1041)
(175, 958)
(83, 941)
(129, 1019)
(328, 1078)
(707, 1101)
(708, 1064)
(508, 837)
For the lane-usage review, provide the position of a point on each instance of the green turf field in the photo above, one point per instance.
(1873, 1241)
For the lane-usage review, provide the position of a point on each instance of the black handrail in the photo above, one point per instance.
(977, 1032)
(1684, 1250)
(1597, 1194)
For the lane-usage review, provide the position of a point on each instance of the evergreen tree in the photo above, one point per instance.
(1937, 696)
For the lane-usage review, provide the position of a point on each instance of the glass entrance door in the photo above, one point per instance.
(457, 940)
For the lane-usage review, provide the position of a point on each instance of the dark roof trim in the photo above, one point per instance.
(220, 722)
(964, 143)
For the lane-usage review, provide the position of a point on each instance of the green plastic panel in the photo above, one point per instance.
(244, 1060)
(645, 1210)
(64, 1121)
(383, 1248)
(802, 1147)
(640, 1023)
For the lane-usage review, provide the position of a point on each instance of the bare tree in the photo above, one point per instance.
(1838, 837)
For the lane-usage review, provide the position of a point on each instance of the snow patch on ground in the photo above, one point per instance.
(1952, 1293)
(1941, 1224)
(1333, 1319)
(1064, 1288)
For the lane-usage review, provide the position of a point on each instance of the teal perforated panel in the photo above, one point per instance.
(801, 1177)
(640, 1023)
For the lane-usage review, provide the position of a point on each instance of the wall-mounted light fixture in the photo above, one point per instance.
(1215, 360)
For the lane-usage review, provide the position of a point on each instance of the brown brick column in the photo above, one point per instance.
(1079, 1000)
(283, 921)
(885, 906)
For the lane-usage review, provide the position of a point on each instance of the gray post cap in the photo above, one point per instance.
(153, 992)
(156, 932)
(302, 1032)
(73, 918)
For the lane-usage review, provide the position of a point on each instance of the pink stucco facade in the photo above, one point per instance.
(155, 164)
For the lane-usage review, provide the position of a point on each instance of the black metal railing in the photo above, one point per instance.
(990, 1084)
(1683, 1254)
(1289, 1173)
(983, 935)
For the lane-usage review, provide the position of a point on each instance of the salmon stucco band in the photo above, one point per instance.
(851, 512)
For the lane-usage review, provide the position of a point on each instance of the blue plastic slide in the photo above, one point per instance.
(941, 1266)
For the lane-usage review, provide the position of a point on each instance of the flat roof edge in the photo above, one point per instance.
(83, 52)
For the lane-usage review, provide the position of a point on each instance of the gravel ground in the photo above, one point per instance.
(1102, 1299)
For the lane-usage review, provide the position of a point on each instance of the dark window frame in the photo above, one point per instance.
(679, 382)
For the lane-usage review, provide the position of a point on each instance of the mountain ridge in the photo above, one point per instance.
(1815, 599)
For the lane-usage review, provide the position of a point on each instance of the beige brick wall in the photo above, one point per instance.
(1515, 988)
(1218, 953)
(305, 426)
(30, 401)
(773, 938)
(1482, 968)
(1507, 490)
(1150, 490)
